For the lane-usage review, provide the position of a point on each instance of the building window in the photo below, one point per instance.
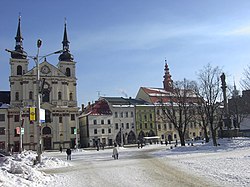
(71, 96)
(126, 114)
(72, 117)
(47, 116)
(95, 131)
(165, 126)
(146, 125)
(151, 125)
(30, 95)
(94, 122)
(59, 95)
(159, 126)
(131, 114)
(122, 125)
(132, 125)
(127, 125)
(60, 119)
(170, 126)
(121, 114)
(116, 115)
(17, 96)
(68, 72)
(116, 126)
(109, 122)
(140, 126)
(150, 116)
(46, 96)
(102, 121)
(19, 70)
(103, 131)
(2, 131)
(2, 117)
(109, 130)
(72, 130)
(158, 112)
(16, 118)
(145, 117)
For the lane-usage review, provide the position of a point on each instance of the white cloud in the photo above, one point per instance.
(241, 31)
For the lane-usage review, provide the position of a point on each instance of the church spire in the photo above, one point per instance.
(167, 82)
(66, 56)
(19, 53)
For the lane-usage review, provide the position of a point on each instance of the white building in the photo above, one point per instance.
(58, 98)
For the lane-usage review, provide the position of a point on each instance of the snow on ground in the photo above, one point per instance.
(19, 170)
(226, 165)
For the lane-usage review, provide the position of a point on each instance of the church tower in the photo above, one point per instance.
(18, 67)
(167, 82)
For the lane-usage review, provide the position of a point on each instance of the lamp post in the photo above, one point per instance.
(37, 59)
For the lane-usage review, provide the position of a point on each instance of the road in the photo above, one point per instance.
(135, 167)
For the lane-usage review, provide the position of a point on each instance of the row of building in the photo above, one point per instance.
(108, 120)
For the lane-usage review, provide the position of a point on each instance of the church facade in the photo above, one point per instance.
(58, 99)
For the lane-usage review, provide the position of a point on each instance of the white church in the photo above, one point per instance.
(58, 99)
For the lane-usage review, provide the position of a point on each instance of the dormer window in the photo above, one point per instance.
(68, 72)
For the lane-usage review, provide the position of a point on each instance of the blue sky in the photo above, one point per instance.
(121, 45)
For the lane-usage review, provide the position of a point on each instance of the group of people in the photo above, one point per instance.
(114, 155)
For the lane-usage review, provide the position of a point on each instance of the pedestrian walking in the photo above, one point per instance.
(68, 152)
(60, 148)
(115, 152)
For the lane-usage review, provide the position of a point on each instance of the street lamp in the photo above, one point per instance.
(37, 59)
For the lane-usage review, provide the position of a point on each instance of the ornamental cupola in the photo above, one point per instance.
(167, 82)
(19, 53)
(66, 56)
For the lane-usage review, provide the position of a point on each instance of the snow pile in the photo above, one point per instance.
(227, 164)
(20, 170)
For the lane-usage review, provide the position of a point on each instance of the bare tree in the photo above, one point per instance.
(180, 110)
(209, 89)
(245, 81)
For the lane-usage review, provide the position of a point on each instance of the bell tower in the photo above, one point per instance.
(167, 82)
(18, 67)
(67, 66)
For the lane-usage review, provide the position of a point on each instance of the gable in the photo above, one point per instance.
(46, 69)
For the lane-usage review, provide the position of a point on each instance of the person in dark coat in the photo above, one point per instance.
(115, 152)
(68, 151)
(60, 148)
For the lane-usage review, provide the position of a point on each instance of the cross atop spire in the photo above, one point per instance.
(65, 41)
(19, 42)
(66, 56)
(167, 82)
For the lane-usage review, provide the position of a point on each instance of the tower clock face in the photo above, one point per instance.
(45, 69)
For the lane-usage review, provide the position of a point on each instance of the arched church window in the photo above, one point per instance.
(19, 70)
(71, 96)
(17, 96)
(59, 95)
(68, 72)
(46, 130)
(30, 95)
(46, 96)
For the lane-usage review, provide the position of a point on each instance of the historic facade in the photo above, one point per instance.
(59, 99)
(159, 97)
